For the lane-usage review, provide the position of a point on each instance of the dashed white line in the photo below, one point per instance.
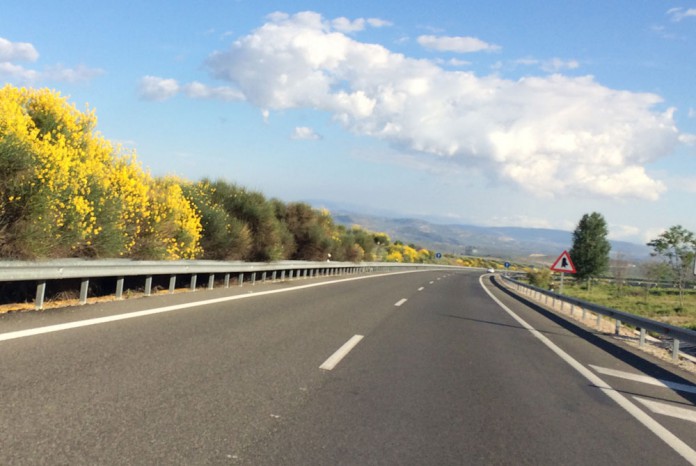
(421, 288)
(400, 302)
(341, 353)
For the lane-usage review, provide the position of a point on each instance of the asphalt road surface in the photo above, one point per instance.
(420, 368)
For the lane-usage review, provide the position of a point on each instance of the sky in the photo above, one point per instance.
(493, 113)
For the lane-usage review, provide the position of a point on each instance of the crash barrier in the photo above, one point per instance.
(84, 270)
(676, 334)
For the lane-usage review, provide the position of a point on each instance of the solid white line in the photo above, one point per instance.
(669, 410)
(400, 302)
(341, 353)
(133, 315)
(645, 379)
(665, 435)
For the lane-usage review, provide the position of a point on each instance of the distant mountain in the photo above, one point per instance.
(536, 245)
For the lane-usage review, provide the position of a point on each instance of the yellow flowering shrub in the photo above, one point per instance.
(394, 256)
(172, 227)
(66, 191)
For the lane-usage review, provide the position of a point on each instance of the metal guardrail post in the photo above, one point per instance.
(84, 289)
(194, 278)
(240, 279)
(675, 350)
(211, 281)
(641, 341)
(263, 277)
(227, 280)
(172, 283)
(40, 294)
(119, 287)
(148, 285)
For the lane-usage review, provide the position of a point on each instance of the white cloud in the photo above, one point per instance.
(557, 64)
(378, 23)
(17, 51)
(14, 72)
(154, 88)
(624, 232)
(345, 25)
(522, 221)
(456, 62)
(688, 139)
(197, 90)
(13, 52)
(678, 14)
(456, 44)
(160, 89)
(553, 135)
(305, 133)
(552, 65)
(71, 75)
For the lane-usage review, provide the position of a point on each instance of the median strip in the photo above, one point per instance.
(341, 353)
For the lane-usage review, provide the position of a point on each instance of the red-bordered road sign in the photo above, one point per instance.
(563, 264)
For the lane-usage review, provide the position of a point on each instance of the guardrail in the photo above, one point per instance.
(119, 269)
(677, 334)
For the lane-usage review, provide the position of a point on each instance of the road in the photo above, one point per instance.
(443, 369)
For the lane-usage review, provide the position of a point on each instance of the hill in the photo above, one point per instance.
(514, 243)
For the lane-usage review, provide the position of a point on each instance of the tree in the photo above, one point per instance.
(678, 246)
(590, 251)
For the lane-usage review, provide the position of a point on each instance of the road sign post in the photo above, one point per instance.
(563, 264)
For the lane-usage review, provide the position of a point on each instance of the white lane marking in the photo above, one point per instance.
(432, 282)
(668, 409)
(400, 302)
(133, 315)
(421, 288)
(645, 379)
(341, 353)
(665, 435)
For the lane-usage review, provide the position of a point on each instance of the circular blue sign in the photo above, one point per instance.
(507, 265)
(438, 255)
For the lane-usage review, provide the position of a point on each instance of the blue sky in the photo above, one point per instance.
(501, 113)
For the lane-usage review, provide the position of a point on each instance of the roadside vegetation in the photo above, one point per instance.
(67, 192)
(649, 300)
(666, 292)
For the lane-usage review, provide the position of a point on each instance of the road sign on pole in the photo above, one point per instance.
(563, 264)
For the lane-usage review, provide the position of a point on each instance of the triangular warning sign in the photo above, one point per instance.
(563, 264)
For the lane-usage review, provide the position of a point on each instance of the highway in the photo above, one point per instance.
(418, 368)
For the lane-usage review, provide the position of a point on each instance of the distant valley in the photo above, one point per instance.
(531, 245)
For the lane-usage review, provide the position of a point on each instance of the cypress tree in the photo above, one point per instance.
(590, 251)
